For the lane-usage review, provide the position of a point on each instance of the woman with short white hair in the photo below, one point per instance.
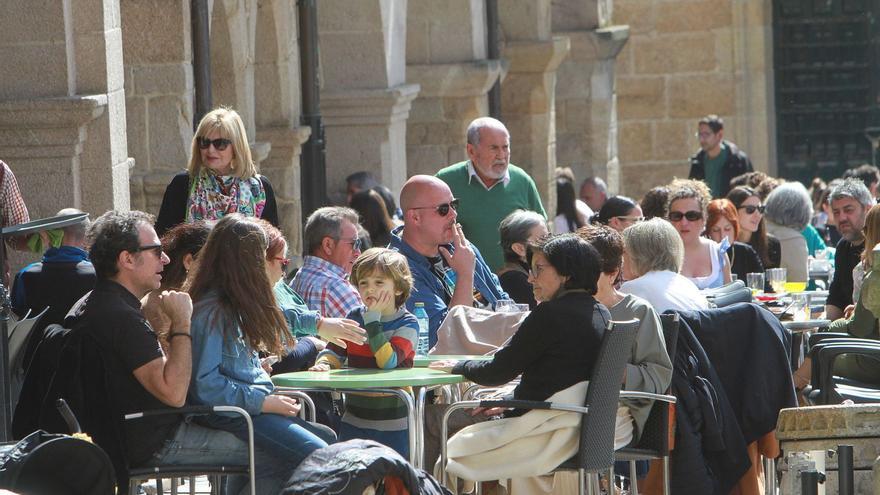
(652, 259)
(788, 211)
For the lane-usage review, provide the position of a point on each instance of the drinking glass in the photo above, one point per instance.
(800, 306)
(755, 282)
(776, 279)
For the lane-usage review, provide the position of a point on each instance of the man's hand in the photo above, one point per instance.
(151, 307)
(848, 311)
(445, 365)
(338, 330)
(280, 404)
(320, 367)
(178, 308)
(463, 259)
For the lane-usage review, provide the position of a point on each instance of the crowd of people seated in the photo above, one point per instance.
(200, 305)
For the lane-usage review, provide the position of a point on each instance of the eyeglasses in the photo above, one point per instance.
(441, 210)
(536, 271)
(630, 219)
(692, 216)
(752, 208)
(356, 243)
(220, 144)
(156, 248)
(284, 261)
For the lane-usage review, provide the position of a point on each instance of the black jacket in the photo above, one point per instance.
(737, 163)
(710, 454)
(348, 468)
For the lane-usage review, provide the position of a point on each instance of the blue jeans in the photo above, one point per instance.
(281, 441)
(397, 440)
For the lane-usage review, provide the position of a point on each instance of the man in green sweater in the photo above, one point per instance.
(489, 187)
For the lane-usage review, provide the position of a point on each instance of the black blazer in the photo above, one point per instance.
(173, 210)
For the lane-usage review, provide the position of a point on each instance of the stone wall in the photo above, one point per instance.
(686, 59)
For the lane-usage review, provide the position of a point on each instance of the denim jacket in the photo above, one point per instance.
(428, 289)
(225, 369)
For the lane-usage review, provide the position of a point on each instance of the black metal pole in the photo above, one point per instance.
(493, 52)
(845, 484)
(201, 48)
(810, 482)
(5, 378)
(313, 177)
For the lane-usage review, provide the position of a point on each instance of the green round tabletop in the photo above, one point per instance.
(424, 361)
(366, 378)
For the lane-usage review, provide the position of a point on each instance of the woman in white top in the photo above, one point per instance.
(788, 212)
(705, 262)
(652, 257)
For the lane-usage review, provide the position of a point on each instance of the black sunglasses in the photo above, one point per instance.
(156, 248)
(441, 210)
(220, 144)
(692, 216)
(752, 208)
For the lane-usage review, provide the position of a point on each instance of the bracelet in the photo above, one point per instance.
(179, 334)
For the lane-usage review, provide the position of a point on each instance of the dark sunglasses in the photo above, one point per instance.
(156, 248)
(441, 210)
(220, 144)
(752, 208)
(356, 243)
(692, 216)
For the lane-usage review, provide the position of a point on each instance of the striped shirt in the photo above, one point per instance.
(325, 288)
(391, 343)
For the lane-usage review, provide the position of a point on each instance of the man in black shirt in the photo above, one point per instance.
(850, 202)
(129, 260)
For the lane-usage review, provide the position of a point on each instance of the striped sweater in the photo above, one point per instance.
(391, 343)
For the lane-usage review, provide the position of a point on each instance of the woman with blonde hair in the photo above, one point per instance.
(872, 238)
(220, 178)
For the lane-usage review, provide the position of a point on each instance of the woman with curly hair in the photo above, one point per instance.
(705, 261)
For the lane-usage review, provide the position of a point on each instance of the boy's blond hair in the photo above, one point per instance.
(389, 263)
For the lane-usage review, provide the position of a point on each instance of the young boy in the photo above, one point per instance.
(384, 281)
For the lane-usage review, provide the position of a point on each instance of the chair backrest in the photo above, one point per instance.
(670, 333)
(598, 427)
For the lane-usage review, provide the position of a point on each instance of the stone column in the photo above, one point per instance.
(366, 99)
(528, 95)
(820, 428)
(446, 56)
(586, 101)
(157, 49)
(277, 110)
(62, 105)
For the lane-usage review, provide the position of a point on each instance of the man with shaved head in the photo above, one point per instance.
(447, 269)
(489, 187)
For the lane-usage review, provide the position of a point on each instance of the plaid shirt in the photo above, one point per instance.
(326, 288)
(14, 209)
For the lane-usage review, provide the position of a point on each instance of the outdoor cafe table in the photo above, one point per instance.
(425, 361)
(382, 381)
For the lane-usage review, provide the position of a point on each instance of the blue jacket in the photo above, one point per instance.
(428, 289)
(225, 369)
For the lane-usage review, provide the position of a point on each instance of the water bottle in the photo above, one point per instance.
(422, 317)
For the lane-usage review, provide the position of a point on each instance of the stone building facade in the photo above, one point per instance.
(96, 103)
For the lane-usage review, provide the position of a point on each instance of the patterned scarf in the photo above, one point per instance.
(211, 197)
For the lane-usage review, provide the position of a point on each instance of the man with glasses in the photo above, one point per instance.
(850, 202)
(447, 269)
(718, 160)
(330, 246)
(489, 187)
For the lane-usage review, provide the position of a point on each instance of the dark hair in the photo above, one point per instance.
(738, 196)
(373, 216)
(388, 199)
(868, 174)
(565, 202)
(182, 239)
(233, 263)
(654, 202)
(112, 233)
(608, 243)
(751, 179)
(571, 257)
(616, 206)
(714, 122)
(362, 180)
